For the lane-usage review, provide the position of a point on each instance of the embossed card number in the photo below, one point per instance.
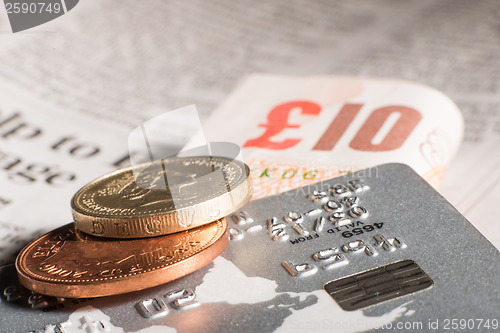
(340, 201)
(156, 307)
(335, 257)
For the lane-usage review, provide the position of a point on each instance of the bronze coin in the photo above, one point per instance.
(68, 263)
(162, 197)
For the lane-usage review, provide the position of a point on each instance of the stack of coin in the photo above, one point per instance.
(138, 227)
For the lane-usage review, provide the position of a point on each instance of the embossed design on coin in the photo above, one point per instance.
(68, 263)
(162, 197)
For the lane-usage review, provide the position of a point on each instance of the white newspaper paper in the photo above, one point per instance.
(107, 66)
(45, 156)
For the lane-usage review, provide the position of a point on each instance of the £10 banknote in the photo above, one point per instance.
(296, 131)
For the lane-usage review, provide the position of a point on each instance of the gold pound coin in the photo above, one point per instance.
(68, 263)
(162, 197)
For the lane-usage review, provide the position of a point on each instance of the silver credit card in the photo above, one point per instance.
(376, 249)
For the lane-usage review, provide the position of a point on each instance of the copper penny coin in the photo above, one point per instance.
(68, 263)
(162, 197)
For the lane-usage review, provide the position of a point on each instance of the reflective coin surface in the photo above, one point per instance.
(68, 263)
(162, 197)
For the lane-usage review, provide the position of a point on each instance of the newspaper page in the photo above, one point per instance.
(72, 89)
(100, 70)
(46, 155)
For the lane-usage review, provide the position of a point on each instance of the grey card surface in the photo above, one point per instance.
(376, 249)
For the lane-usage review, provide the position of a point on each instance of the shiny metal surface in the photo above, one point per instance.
(162, 197)
(68, 263)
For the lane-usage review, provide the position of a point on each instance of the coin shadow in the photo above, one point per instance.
(15, 295)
